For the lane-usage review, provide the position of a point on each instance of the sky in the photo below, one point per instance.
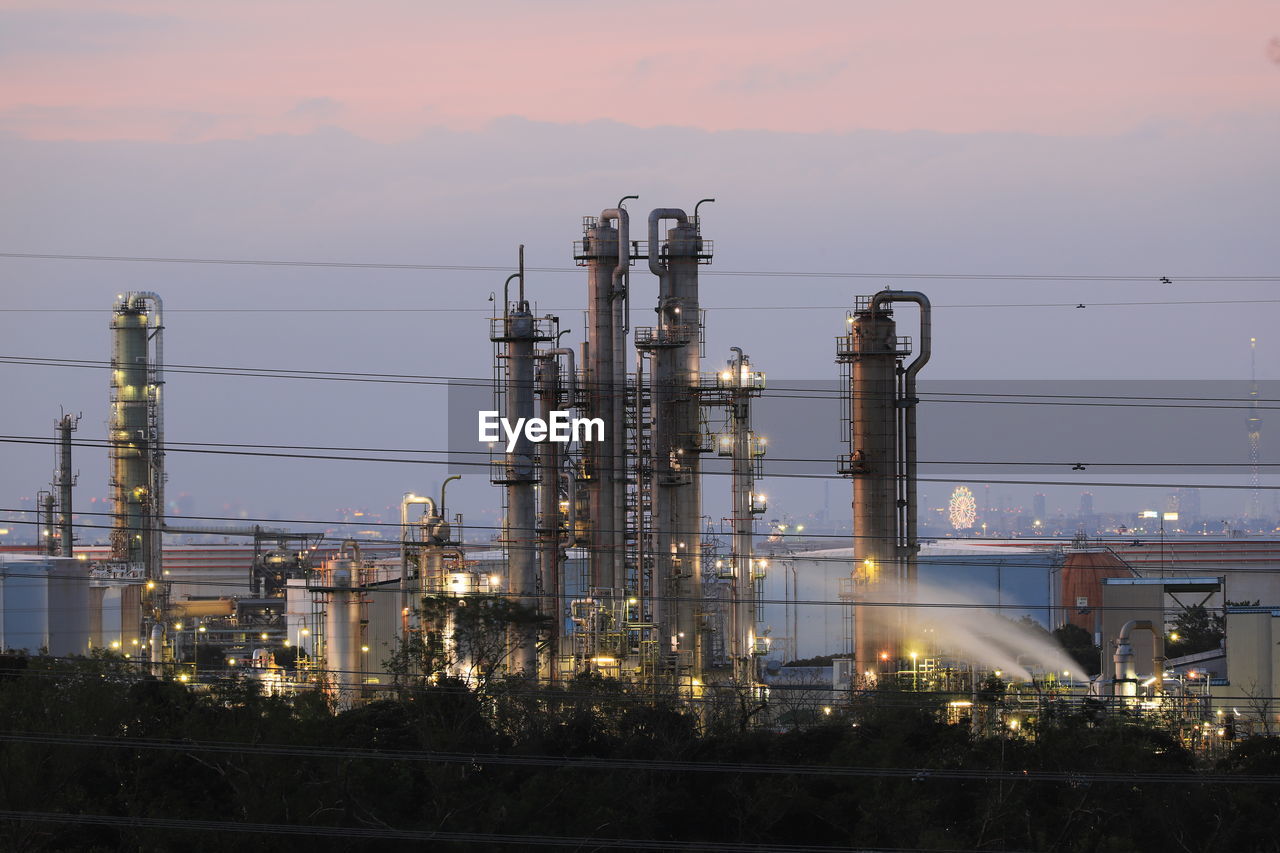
(984, 139)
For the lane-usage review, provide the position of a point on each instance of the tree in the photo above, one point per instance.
(1078, 643)
(471, 636)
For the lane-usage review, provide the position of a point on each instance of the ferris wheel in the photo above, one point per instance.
(962, 511)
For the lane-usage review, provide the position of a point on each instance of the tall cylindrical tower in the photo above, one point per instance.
(882, 462)
(136, 431)
(66, 480)
(870, 349)
(677, 438)
(521, 475)
(604, 480)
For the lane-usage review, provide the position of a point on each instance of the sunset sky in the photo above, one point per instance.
(991, 139)
(387, 70)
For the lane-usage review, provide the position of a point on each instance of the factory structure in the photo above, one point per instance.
(605, 563)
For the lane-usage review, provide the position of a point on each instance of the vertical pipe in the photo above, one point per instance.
(743, 598)
(618, 391)
(908, 403)
(549, 519)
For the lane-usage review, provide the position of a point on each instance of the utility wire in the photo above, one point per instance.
(773, 475)
(1158, 278)
(1243, 402)
(104, 443)
(717, 308)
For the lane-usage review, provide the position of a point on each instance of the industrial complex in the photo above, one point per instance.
(606, 563)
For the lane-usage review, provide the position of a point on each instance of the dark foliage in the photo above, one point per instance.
(364, 769)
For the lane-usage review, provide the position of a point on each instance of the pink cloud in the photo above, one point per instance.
(396, 67)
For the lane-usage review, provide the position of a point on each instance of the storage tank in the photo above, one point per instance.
(342, 634)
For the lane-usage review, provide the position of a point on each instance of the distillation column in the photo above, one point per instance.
(135, 433)
(551, 551)
(741, 384)
(518, 334)
(882, 463)
(606, 479)
(66, 479)
(677, 440)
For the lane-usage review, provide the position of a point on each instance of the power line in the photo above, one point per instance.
(967, 397)
(715, 308)
(1158, 278)
(103, 443)
(773, 475)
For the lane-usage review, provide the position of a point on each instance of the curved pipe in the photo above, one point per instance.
(696, 221)
(1123, 657)
(447, 481)
(355, 548)
(506, 290)
(620, 289)
(655, 255)
(568, 353)
(885, 297)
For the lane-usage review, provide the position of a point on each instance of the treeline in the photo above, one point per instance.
(94, 758)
